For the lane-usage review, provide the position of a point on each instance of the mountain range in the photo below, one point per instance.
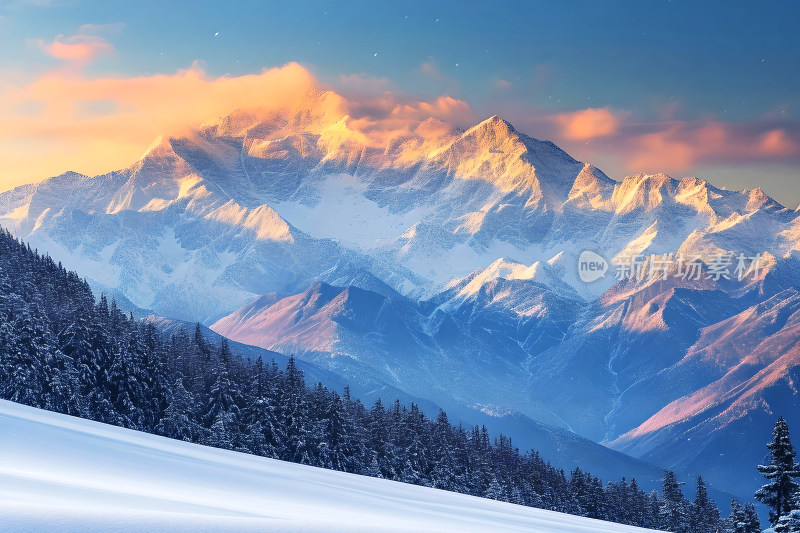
(444, 264)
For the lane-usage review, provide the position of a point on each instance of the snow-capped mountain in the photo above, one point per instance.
(444, 263)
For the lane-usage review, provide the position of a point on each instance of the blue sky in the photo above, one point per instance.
(667, 68)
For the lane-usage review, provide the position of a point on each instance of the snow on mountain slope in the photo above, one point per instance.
(362, 333)
(59, 473)
(739, 375)
(368, 338)
(453, 254)
(178, 245)
(257, 203)
(482, 337)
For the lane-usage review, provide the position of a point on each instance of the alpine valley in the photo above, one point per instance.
(441, 266)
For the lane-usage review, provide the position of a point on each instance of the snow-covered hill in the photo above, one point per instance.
(63, 474)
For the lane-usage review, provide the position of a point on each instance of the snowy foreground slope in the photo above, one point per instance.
(60, 473)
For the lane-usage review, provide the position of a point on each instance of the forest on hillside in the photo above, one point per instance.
(64, 350)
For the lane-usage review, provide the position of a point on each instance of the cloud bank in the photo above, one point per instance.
(67, 119)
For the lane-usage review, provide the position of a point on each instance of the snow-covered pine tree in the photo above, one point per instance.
(780, 473)
(790, 522)
(494, 491)
(703, 512)
(337, 434)
(479, 450)
(637, 505)
(20, 362)
(673, 515)
(126, 374)
(444, 472)
(619, 499)
(752, 524)
(743, 518)
(378, 435)
(177, 422)
(735, 521)
(155, 390)
(415, 465)
(221, 413)
(295, 416)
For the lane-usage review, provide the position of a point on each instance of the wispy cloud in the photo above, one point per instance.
(37, 3)
(78, 49)
(681, 145)
(662, 143)
(587, 124)
(431, 70)
(111, 28)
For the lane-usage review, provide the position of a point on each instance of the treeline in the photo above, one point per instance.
(62, 350)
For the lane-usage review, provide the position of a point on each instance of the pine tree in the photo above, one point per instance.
(788, 523)
(637, 507)
(415, 468)
(752, 524)
(494, 491)
(378, 432)
(177, 422)
(266, 411)
(125, 376)
(298, 446)
(222, 410)
(444, 472)
(20, 362)
(780, 473)
(673, 511)
(704, 514)
(337, 434)
(735, 522)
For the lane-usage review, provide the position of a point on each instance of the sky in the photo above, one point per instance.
(707, 89)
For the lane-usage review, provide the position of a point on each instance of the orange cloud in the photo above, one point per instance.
(623, 144)
(390, 114)
(777, 142)
(78, 48)
(678, 146)
(67, 121)
(662, 151)
(587, 124)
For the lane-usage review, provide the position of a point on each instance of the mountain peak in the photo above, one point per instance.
(494, 126)
(758, 199)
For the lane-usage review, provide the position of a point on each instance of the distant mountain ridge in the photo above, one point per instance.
(443, 263)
